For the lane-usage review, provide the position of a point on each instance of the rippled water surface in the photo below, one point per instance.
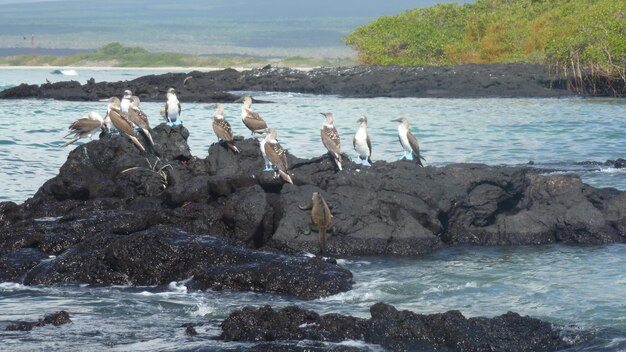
(581, 287)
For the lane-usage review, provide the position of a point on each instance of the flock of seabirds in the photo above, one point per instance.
(130, 121)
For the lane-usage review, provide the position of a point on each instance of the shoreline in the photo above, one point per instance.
(160, 68)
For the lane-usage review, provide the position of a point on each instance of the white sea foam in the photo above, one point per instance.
(361, 345)
(202, 309)
(69, 72)
(48, 218)
(616, 342)
(611, 170)
(178, 286)
(351, 262)
(449, 288)
(13, 286)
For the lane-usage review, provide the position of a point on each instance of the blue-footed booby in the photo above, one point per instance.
(172, 108)
(122, 123)
(266, 161)
(84, 127)
(139, 119)
(108, 127)
(127, 99)
(408, 141)
(276, 155)
(253, 121)
(330, 138)
(222, 129)
(361, 142)
(134, 101)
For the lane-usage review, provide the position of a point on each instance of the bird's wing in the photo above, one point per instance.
(276, 155)
(85, 125)
(331, 140)
(179, 109)
(165, 113)
(415, 146)
(138, 117)
(122, 123)
(254, 121)
(222, 129)
(369, 144)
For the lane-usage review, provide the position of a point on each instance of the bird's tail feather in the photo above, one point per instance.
(71, 141)
(285, 176)
(232, 146)
(137, 143)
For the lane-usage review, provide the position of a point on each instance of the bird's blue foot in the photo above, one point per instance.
(268, 167)
(409, 156)
(174, 123)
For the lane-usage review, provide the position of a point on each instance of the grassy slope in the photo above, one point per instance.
(572, 34)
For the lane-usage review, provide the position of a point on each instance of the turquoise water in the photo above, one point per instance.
(581, 287)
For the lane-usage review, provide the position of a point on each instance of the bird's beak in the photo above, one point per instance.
(240, 100)
(323, 114)
(396, 120)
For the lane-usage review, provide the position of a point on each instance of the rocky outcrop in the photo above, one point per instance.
(395, 330)
(133, 217)
(56, 319)
(495, 80)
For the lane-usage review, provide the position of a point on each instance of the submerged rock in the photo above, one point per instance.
(396, 330)
(56, 319)
(132, 217)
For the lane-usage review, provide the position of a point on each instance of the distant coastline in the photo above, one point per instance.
(210, 85)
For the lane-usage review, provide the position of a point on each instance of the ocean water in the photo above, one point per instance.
(580, 287)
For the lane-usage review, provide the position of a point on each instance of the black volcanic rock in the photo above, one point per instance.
(396, 330)
(130, 216)
(56, 319)
(494, 80)
(162, 255)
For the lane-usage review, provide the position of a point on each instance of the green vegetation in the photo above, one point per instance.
(578, 38)
(117, 55)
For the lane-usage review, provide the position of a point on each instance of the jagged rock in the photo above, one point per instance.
(109, 196)
(396, 330)
(56, 319)
(161, 255)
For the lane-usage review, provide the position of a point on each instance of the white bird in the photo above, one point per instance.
(84, 127)
(361, 141)
(330, 138)
(172, 108)
(127, 99)
(408, 141)
(267, 162)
